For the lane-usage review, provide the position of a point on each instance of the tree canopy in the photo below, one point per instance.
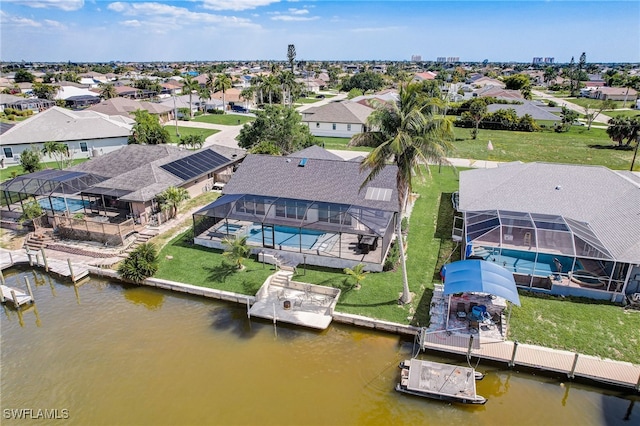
(364, 81)
(282, 126)
(148, 130)
(30, 160)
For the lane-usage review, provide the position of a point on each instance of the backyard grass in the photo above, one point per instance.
(186, 131)
(224, 119)
(18, 170)
(581, 325)
(589, 327)
(338, 143)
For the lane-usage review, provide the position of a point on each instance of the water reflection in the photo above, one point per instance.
(198, 361)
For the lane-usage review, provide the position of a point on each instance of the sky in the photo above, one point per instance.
(221, 30)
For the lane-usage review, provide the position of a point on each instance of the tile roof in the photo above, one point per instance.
(332, 181)
(60, 125)
(607, 200)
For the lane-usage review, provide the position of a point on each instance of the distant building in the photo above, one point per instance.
(416, 58)
(541, 60)
(537, 60)
(448, 59)
(549, 60)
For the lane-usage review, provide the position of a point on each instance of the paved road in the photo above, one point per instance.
(601, 118)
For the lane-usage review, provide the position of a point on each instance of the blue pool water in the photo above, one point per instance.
(523, 262)
(228, 228)
(287, 236)
(59, 204)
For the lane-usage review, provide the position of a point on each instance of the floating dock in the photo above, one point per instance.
(436, 380)
(15, 296)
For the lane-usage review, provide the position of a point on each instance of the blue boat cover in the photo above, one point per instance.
(479, 276)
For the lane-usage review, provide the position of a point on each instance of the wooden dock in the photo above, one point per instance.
(616, 373)
(15, 296)
(65, 269)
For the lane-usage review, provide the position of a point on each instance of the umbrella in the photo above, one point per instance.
(480, 276)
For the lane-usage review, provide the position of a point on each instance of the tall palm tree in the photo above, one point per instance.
(189, 86)
(270, 84)
(410, 134)
(107, 91)
(205, 95)
(222, 84)
(248, 94)
(288, 81)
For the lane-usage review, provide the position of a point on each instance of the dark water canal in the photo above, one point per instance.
(108, 354)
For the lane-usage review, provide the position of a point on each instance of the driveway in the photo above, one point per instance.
(226, 135)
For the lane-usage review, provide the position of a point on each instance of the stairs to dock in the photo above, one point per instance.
(38, 240)
(141, 238)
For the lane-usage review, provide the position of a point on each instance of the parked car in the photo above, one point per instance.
(238, 108)
(578, 123)
(320, 97)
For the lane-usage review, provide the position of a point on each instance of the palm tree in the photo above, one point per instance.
(409, 133)
(190, 85)
(357, 273)
(58, 151)
(248, 94)
(288, 81)
(270, 84)
(107, 91)
(205, 95)
(237, 250)
(171, 198)
(222, 84)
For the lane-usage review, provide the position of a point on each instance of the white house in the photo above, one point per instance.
(337, 119)
(86, 133)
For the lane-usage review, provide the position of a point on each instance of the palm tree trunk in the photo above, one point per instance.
(406, 293)
(635, 153)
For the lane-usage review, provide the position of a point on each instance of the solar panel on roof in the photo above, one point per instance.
(195, 165)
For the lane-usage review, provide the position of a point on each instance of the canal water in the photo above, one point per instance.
(105, 353)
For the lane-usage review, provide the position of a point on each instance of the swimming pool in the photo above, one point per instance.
(228, 228)
(285, 236)
(523, 262)
(59, 205)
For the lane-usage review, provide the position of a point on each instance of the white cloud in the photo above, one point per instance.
(298, 11)
(377, 29)
(236, 5)
(162, 18)
(66, 5)
(290, 18)
(54, 24)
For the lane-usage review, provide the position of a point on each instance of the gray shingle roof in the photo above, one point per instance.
(533, 110)
(136, 169)
(333, 181)
(60, 125)
(338, 112)
(607, 200)
(315, 151)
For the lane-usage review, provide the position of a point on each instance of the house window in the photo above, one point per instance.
(334, 214)
(348, 127)
(7, 152)
(333, 126)
(83, 147)
(317, 125)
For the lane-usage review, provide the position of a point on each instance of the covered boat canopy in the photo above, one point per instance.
(480, 276)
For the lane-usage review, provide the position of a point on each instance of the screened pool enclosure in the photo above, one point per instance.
(324, 233)
(544, 250)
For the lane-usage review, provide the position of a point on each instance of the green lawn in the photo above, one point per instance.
(338, 143)
(224, 119)
(623, 113)
(595, 103)
(588, 327)
(185, 131)
(9, 171)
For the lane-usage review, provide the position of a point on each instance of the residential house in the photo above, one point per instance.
(126, 107)
(615, 94)
(422, 76)
(337, 119)
(136, 174)
(536, 109)
(86, 134)
(311, 210)
(561, 229)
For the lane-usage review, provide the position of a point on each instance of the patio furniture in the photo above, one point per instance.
(461, 310)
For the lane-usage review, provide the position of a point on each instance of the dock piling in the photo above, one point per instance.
(44, 260)
(73, 278)
(571, 374)
(513, 355)
(248, 309)
(2, 278)
(26, 280)
(470, 346)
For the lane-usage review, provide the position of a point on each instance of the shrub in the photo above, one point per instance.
(141, 263)
(553, 103)
(392, 258)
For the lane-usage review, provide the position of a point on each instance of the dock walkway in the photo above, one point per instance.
(15, 296)
(65, 269)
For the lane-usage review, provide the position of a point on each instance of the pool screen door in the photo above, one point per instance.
(267, 236)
